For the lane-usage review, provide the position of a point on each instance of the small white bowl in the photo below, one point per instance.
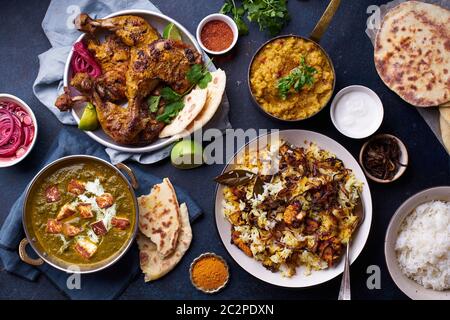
(379, 110)
(404, 158)
(220, 17)
(20, 102)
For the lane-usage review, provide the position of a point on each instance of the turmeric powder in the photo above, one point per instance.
(209, 273)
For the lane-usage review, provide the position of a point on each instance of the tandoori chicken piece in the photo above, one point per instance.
(134, 31)
(113, 56)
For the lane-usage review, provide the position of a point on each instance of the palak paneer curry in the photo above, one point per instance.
(82, 213)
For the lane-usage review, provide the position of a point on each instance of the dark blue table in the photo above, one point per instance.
(22, 39)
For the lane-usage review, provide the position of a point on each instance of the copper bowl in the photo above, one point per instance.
(45, 257)
(314, 38)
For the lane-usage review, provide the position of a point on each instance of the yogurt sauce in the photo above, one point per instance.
(357, 114)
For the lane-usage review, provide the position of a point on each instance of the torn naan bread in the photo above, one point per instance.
(193, 105)
(412, 53)
(216, 89)
(445, 132)
(159, 217)
(152, 265)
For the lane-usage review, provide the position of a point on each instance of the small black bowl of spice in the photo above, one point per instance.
(384, 158)
(217, 34)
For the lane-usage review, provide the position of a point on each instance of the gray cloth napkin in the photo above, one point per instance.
(60, 31)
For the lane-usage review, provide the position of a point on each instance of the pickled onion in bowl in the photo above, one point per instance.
(17, 131)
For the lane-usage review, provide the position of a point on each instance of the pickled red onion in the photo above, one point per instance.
(16, 130)
(82, 61)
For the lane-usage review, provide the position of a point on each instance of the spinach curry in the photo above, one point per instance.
(82, 213)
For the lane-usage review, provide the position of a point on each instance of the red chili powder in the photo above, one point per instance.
(216, 35)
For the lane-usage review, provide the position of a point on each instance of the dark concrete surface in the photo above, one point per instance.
(22, 39)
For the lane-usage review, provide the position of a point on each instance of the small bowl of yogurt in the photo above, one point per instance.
(357, 112)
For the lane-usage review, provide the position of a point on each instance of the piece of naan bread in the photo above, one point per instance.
(152, 265)
(159, 217)
(445, 132)
(216, 89)
(412, 53)
(445, 113)
(193, 105)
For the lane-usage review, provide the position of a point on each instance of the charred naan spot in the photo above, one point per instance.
(429, 86)
(445, 71)
(447, 45)
(412, 78)
(166, 224)
(413, 87)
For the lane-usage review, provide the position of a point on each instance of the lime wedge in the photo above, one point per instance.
(186, 154)
(89, 121)
(171, 32)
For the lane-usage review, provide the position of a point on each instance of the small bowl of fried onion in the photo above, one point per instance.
(384, 158)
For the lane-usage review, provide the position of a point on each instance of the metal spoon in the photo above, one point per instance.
(344, 291)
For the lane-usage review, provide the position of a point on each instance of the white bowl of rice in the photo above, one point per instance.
(417, 245)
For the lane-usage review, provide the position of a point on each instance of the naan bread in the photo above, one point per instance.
(193, 104)
(445, 132)
(216, 89)
(412, 53)
(159, 217)
(445, 113)
(151, 263)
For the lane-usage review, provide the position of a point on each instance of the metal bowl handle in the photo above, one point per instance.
(130, 173)
(325, 20)
(24, 255)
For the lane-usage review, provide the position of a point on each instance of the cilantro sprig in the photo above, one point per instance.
(197, 75)
(297, 78)
(270, 15)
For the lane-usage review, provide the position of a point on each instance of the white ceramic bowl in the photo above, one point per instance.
(299, 138)
(220, 17)
(376, 121)
(410, 287)
(20, 102)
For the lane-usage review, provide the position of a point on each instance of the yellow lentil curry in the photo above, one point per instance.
(276, 60)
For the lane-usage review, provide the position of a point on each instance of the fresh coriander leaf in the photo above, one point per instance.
(237, 14)
(170, 111)
(296, 79)
(203, 83)
(270, 15)
(227, 7)
(153, 103)
(195, 74)
(242, 27)
(169, 95)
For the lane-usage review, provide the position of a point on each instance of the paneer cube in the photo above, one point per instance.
(53, 226)
(85, 210)
(66, 211)
(85, 248)
(76, 187)
(99, 228)
(120, 223)
(70, 230)
(52, 194)
(105, 200)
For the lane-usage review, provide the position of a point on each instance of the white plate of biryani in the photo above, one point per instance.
(285, 208)
(417, 245)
